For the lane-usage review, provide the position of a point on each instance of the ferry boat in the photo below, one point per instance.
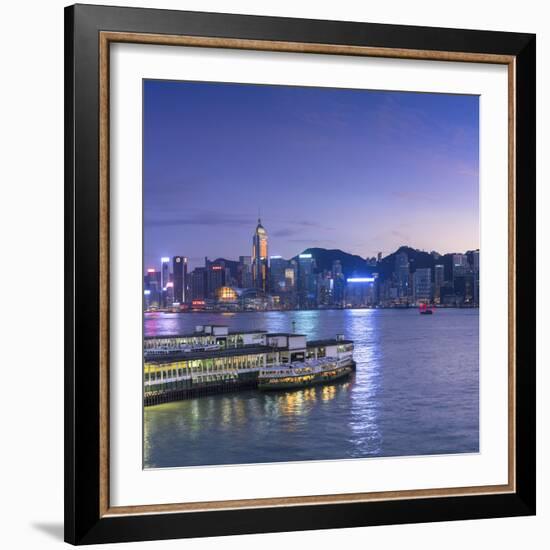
(425, 310)
(303, 374)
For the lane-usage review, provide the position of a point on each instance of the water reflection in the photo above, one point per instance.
(415, 391)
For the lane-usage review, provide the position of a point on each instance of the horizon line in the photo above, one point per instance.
(275, 256)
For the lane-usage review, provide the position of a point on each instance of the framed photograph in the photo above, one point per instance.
(300, 274)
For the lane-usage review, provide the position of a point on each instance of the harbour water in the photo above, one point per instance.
(415, 392)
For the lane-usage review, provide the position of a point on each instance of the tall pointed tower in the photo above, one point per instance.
(260, 266)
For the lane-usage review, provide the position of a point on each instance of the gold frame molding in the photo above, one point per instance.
(105, 40)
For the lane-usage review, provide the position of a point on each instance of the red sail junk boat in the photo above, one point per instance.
(425, 310)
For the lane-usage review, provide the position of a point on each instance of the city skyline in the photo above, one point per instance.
(356, 170)
(318, 278)
(199, 261)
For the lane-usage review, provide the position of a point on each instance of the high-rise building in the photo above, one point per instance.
(216, 277)
(463, 279)
(260, 262)
(475, 268)
(147, 306)
(164, 280)
(339, 284)
(290, 277)
(277, 276)
(461, 266)
(325, 289)
(464, 288)
(169, 294)
(244, 277)
(197, 283)
(475, 261)
(306, 281)
(447, 295)
(402, 269)
(361, 291)
(152, 289)
(179, 270)
(439, 280)
(422, 285)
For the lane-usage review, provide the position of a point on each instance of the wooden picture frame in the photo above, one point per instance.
(89, 32)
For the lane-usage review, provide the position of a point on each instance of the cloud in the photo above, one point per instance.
(306, 223)
(311, 241)
(287, 232)
(203, 218)
(215, 218)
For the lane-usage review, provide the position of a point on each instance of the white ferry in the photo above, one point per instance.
(304, 373)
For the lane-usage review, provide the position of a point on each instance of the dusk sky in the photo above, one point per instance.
(363, 171)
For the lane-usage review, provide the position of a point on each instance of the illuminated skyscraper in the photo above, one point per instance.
(277, 276)
(290, 276)
(152, 289)
(361, 291)
(179, 269)
(164, 279)
(260, 264)
(244, 277)
(216, 276)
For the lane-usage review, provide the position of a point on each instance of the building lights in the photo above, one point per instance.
(226, 294)
(164, 260)
(305, 256)
(147, 292)
(361, 280)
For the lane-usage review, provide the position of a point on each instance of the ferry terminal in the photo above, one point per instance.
(214, 359)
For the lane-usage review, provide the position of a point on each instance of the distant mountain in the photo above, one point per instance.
(355, 266)
(417, 259)
(420, 259)
(352, 265)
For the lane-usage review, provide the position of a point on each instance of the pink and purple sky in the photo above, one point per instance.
(363, 171)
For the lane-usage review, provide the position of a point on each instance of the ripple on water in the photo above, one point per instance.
(415, 392)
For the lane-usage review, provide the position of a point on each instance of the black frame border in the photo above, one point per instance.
(83, 524)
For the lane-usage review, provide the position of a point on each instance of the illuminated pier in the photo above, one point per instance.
(215, 360)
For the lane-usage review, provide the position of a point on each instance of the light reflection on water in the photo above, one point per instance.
(415, 392)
